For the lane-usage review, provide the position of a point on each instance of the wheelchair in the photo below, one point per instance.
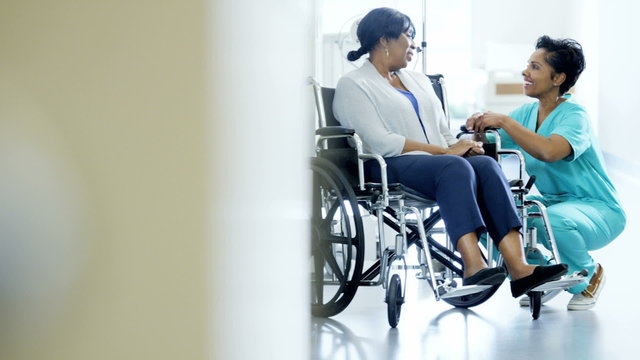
(341, 198)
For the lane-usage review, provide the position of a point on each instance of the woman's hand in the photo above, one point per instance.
(480, 121)
(466, 147)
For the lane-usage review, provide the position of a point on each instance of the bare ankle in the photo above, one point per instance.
(521, 271)
(470, 270)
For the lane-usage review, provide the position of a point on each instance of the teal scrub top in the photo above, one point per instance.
(579, 176)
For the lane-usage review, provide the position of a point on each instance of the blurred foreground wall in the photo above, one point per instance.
(113, 244)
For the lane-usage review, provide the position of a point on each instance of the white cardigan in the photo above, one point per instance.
(383, 117)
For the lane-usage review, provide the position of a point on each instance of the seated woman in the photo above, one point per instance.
(561, 150)
(398, 116)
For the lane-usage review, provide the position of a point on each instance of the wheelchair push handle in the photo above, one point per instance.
(465, 131)
(532, 179)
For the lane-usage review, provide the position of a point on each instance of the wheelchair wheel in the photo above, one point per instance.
(394, 300)
(535, 303)
(337, 240)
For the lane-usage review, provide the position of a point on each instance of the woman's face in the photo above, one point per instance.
(539, 75)
(401, 50)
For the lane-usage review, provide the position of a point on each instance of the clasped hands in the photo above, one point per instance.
(466, 147)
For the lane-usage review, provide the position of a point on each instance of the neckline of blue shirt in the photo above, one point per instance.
(414, 103)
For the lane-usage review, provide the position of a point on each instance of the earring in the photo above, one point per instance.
(386, 51)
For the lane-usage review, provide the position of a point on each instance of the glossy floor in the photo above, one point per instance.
(499, 328)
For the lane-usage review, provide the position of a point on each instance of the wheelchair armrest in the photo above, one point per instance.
(518, 155)
(335, 131)
(383, 174)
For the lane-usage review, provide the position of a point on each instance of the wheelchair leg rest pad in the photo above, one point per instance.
(564, 282)
(462, 290)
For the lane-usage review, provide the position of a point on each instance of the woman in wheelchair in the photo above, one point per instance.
(398, 116)
(560, 149)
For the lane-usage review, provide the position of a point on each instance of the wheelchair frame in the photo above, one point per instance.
(390, 203)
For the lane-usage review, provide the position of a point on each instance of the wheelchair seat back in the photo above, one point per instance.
(437, 82)
(338, 151)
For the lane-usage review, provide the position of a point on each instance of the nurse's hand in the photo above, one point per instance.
(480, 121)
(472, 121)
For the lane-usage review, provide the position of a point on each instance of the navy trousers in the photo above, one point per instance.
(472, 193)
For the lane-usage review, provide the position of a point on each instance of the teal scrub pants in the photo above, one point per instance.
(579, 227)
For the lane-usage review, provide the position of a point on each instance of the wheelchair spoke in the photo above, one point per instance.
(331, 212)
(339, 240)
(333, 264)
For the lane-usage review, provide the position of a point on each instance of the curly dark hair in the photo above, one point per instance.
(380, 23)
(564, 56)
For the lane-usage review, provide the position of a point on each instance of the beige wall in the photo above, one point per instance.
(153, 182)
(102, 202)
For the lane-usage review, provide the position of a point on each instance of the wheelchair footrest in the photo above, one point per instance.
(564, 282)
(451, 292)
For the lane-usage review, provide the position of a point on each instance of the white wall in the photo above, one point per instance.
(619, 78)
(503, 35)
(516, 23)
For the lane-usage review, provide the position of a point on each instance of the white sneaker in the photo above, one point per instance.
(588, 297)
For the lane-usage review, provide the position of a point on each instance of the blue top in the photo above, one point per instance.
(582, 174)
(414, 102)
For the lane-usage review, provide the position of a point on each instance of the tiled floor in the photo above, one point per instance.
(499, 328)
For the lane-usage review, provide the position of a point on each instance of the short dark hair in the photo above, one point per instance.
(380, 23)
(564, 56)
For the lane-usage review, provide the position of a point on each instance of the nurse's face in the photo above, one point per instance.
(401, 50)
(539, 77)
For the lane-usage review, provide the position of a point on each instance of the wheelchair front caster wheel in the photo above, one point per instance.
(535, 303)
(394, 300)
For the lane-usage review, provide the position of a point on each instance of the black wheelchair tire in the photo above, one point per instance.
(394, 300)
(331, 299)
(535, 303)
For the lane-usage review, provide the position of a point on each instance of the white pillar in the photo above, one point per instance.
(261, 54)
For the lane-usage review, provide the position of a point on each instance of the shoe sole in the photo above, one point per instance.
(578, 307)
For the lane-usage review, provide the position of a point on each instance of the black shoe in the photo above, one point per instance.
(540, 275)
(488, 276)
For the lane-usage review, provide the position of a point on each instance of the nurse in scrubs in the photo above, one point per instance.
(560, 149)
